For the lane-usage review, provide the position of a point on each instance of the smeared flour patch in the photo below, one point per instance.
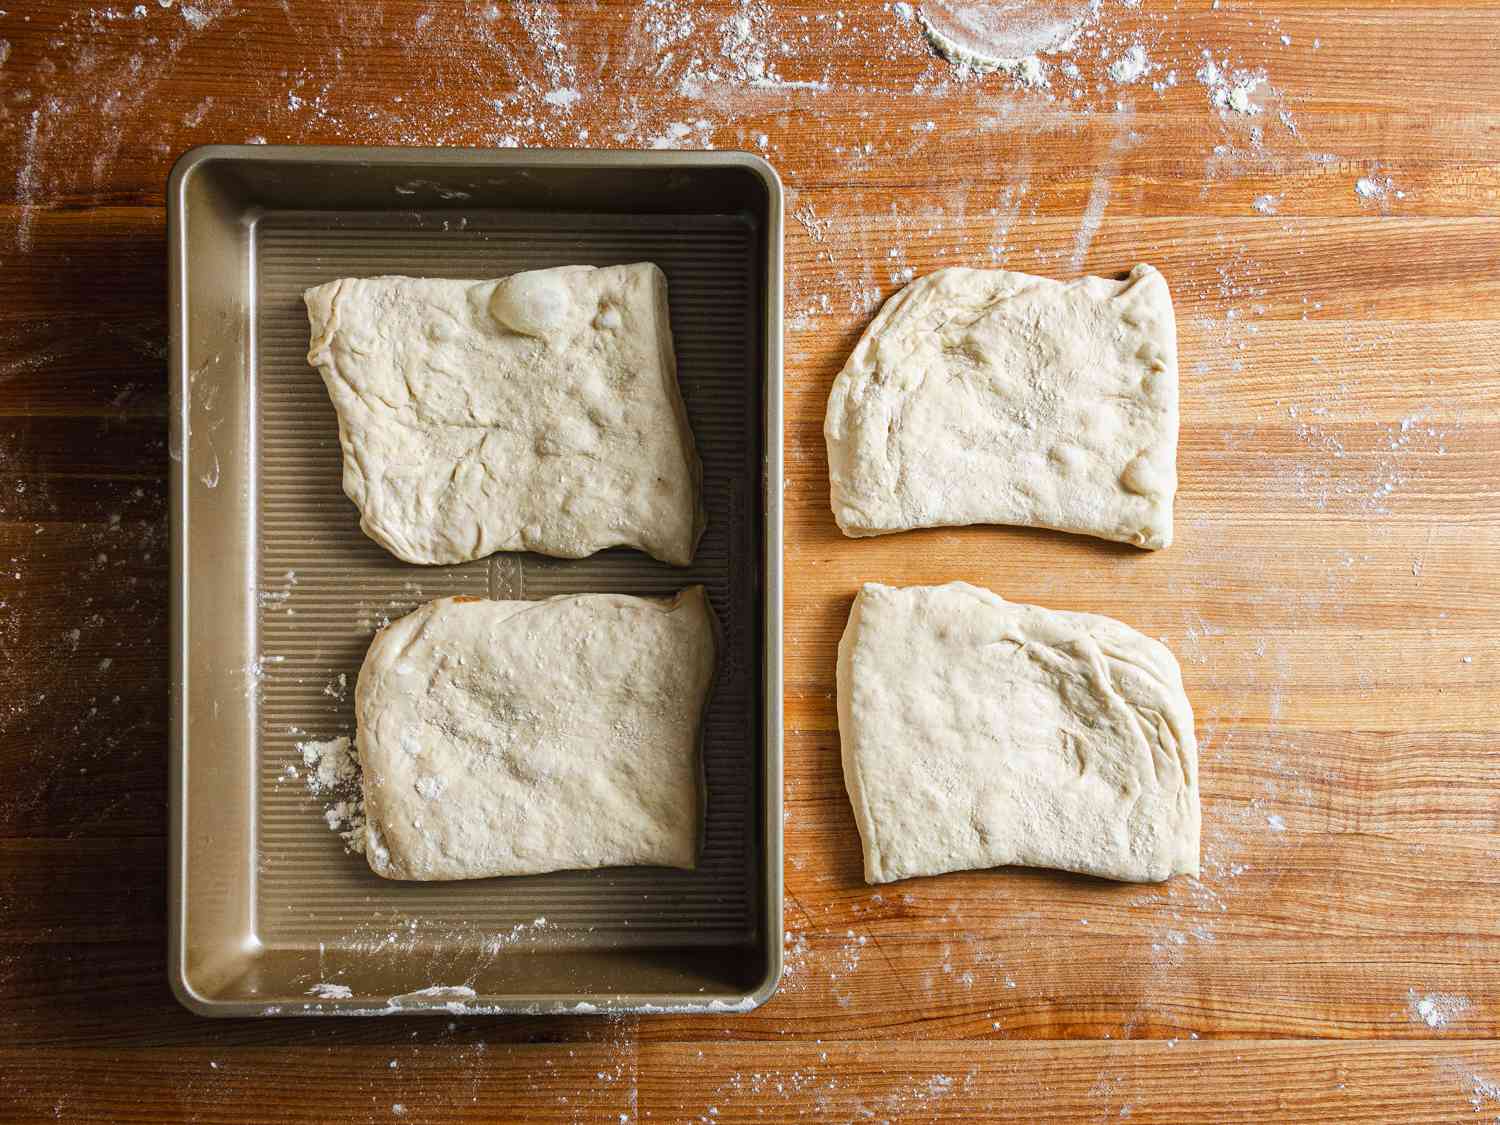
(520, 932)
(26, 181)
(1089, 223)
(892, 1096)
(1099, 193)
(210, 476)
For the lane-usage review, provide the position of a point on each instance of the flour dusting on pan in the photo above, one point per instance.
(331, 774)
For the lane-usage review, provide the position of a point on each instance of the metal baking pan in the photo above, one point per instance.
(276, 592)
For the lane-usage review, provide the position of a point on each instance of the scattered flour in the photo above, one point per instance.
(738, 58)
(894, 1095)
(196, 18)
(1483, 1090)
(746, 41)
(540, 23)
(330, 764)
(666, 24)
(563, 98)
(679, 134)
(516, 933)
(1436, 1009)
(1231, 90)
(673, 136)
(817, 229)
(327, 990)
(1377, 191)
(340, 815)
(331, 774)
(1132, 66)
(26, 181)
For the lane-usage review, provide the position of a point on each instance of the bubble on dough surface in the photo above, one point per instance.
(531, 304)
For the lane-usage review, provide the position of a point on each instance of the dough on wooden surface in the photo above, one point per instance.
(516, 737)
(539, 412)
(985, 396)
(977, 732)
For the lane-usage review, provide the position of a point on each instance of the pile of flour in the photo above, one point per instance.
(331, 774)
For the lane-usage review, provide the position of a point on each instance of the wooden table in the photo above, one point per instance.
(1332, 592)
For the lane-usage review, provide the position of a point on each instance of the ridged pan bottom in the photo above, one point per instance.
(323, 589)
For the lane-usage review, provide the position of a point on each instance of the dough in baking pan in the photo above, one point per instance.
(978, 732)
(540, 412)
(516, 737)
(986, 396)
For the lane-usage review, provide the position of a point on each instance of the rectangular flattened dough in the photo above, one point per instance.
(539, 412)
(977, 732)
(985, 396)
(512, 737)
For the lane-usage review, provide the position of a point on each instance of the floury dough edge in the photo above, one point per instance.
(516, 737)
(977, 732)
(540, 412)
(988, 396)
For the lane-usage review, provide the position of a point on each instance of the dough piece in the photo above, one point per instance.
(510, 738)
(984, 396)
(535, 413)
(977, 732)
